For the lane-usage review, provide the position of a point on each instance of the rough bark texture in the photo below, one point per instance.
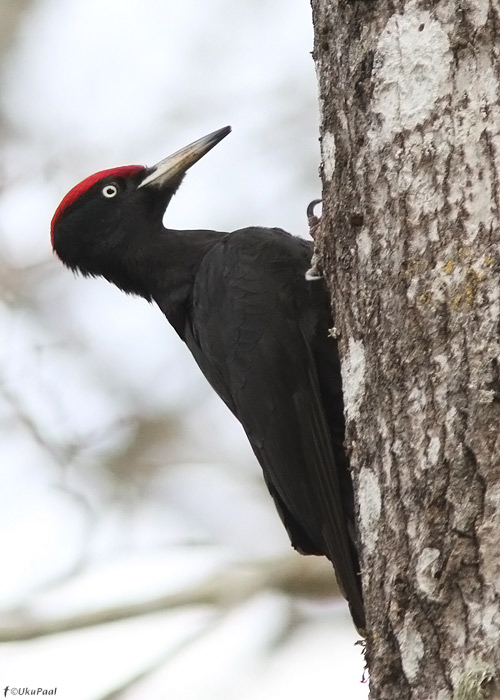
(410, 244)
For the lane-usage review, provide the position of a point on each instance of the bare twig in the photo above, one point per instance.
(295, 575)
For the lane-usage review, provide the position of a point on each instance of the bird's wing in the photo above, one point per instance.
(255, 336)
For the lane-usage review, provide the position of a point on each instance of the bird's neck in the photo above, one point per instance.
(169, 268)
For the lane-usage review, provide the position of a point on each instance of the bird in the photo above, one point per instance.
(256, 325)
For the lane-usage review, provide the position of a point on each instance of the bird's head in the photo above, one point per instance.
(98, 217)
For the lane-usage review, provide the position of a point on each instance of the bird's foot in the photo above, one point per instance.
(314, 272)
(312, 219)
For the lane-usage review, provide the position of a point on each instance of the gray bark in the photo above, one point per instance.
(410, 245)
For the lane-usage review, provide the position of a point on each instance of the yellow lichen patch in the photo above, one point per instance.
(456, 280)
(426, 298)
(464, 253)
(472, 280)
(415, 267)
(468, 290)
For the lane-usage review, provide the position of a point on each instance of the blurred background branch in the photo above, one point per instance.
(12, 13)
(294, 576)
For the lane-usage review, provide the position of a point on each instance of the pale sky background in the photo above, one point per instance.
(122, 475)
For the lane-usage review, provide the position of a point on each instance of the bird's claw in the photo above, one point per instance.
(312, 219)
(314, 272)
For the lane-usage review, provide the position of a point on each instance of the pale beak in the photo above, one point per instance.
(172, 167)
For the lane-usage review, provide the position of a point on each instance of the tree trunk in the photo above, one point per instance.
(410, 245)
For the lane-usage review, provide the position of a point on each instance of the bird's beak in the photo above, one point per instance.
(172, 167)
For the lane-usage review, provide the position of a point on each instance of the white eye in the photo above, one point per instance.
(109, 191)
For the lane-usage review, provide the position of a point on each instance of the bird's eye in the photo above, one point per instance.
(109, 191)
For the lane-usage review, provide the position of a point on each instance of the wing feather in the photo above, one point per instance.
(257, 334)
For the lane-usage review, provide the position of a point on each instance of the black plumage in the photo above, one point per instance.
(255, 325)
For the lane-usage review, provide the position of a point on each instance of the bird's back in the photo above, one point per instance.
(259, 332)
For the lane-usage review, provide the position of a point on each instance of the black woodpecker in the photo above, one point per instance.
(257, 328)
